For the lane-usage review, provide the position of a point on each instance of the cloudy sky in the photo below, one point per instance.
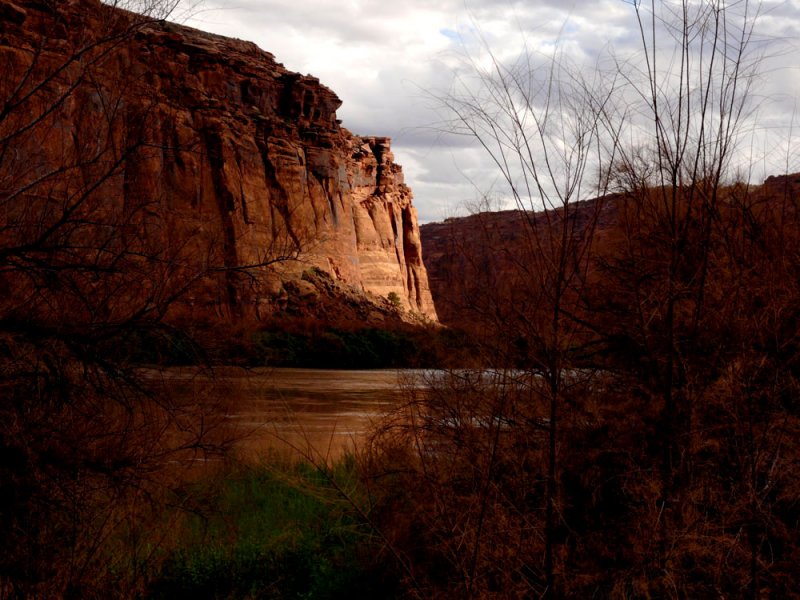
(388, 62)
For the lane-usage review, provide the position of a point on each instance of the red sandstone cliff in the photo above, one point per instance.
(234, 163)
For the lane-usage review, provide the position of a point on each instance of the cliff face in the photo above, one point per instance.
(237, 158)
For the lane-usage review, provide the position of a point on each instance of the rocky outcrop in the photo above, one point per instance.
(239, 159)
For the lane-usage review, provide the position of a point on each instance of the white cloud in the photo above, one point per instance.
(388, 60)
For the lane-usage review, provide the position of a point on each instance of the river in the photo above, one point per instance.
(300, 412)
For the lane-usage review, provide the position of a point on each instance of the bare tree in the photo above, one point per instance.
(686, 102)
(614, 320)
(538, 121)
(88, 273)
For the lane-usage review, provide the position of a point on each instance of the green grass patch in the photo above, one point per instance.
(265, 533)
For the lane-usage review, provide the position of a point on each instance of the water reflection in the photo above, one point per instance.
(294, 411)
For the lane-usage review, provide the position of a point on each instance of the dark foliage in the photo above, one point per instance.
(677, 452)
(367, 348)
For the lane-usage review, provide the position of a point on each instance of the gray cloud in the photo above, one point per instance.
(389, 62)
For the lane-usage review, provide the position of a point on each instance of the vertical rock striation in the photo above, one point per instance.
(241, 160)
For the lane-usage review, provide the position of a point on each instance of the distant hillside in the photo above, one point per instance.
(465, 256)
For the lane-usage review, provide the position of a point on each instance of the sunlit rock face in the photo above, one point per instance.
(240, 160)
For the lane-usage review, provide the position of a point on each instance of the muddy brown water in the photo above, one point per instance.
(296, 412)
